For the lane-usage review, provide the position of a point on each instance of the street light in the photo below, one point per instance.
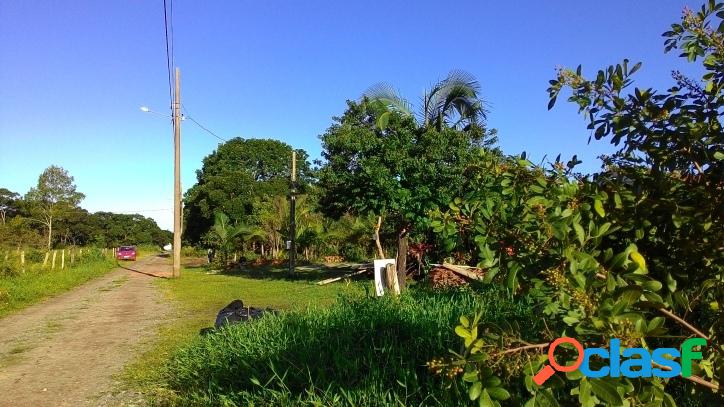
(146, 109)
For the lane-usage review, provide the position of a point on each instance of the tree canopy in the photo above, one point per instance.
(235, 176)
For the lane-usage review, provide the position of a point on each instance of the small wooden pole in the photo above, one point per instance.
(45, 261)
(62, 259)
(22, 260)
(52, 265)
(72, 257)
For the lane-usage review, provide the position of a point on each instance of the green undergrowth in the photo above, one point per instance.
(360, 351)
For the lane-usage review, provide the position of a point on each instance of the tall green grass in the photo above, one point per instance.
(19, 289)
(360, 351)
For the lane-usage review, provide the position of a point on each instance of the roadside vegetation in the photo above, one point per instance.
(24, 285)
(360, 351)
(631, 252)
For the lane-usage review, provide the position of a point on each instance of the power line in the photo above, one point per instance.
(168, 53)
(187, 117)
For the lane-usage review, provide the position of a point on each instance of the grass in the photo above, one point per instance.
(20, 290)
(325, 349)
(198, 296)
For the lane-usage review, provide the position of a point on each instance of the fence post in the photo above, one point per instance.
(45, 261)
(72, 257)
(52, 265)
(22, 260)
(62, 260)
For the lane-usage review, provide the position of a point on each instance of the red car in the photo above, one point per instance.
(126, 253)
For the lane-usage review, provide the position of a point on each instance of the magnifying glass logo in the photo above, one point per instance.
(547, 371)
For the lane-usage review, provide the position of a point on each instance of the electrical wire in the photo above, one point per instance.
(168, 53)
(188, 117)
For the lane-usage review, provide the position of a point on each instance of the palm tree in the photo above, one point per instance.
(454, 102)
(225, 236)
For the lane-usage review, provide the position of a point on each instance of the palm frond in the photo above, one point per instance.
(456, 96)
(386, 94)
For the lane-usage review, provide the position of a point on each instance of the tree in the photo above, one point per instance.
(8, 201)
(53, 197)
(398, 171)
(452, 102)
(633, 252)
(234, 176)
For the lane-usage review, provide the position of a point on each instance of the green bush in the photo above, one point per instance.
(362, 351)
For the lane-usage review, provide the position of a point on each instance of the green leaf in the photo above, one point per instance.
(598, 206)
(638, 259)
(474, 391)
(498, 393)
(485, 400)
(652, 285)
(606, 391)
(462, 332)
(470, 376)
(580, 233)
(491, 381)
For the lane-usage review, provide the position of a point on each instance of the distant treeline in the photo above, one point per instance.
(49, 216)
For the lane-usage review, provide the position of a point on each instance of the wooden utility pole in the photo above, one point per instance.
(292, 215)
(177, 176)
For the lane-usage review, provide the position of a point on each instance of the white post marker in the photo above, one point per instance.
(380, 277)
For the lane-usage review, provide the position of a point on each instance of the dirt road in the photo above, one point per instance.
(66, 350)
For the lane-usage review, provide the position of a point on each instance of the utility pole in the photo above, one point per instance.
(292, 215)
(177, 177)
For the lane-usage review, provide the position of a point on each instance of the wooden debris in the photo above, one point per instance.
(333, 259)
(450, 275)
(472, 273)
(333, 279)
(440, 277)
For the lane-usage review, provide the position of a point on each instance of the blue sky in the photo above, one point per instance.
(73, 75)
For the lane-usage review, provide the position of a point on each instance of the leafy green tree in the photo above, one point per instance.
(8, 200)
(54, 196)
(632, 253)
(235, 176)
(399, 171)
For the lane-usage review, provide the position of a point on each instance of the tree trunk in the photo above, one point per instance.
(50, 233)
(402, 258)
(380, 252)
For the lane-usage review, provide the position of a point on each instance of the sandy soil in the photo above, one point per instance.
(66, 350)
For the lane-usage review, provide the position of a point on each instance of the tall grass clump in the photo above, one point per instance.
(360, 351)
